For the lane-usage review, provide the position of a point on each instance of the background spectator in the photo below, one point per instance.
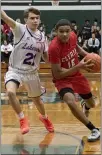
(86, 30)
(6, 49)
(93, 44)
(18, 20)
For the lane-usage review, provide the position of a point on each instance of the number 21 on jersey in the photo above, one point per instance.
(29, 60)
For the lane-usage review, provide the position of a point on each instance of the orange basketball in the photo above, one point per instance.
(96, 59)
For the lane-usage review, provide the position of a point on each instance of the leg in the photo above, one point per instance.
(43, 117)
(2, 57)
(11, 91)
(35, 91)
(12, 82)
(87, 102)
(67, 95)
(70, 100)
(90, 103)
(39, 105)
(11, 88)
(82, 87)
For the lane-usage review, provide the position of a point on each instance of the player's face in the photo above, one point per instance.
(33, 21)
(63, 33)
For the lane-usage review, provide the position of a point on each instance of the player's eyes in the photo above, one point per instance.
(64, 31)
(34, 18)
(67, 31)
(61, 31)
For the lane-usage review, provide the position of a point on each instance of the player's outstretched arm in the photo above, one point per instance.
(81, 51)
(9, 21)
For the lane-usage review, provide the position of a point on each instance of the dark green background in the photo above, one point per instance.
(50, 17)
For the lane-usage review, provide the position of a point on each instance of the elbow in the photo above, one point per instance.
(46, 61)
(57, 76)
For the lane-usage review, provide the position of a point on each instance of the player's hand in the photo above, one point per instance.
(87, 65)
(89, 70)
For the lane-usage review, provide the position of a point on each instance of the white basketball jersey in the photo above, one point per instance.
(28, 49)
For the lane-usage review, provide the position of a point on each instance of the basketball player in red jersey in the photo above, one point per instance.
(63, 55)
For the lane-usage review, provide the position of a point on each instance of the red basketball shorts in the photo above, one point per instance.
(78, 83)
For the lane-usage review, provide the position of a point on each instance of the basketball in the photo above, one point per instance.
(96, 59)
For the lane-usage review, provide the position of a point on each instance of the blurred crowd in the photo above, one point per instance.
(89, 37)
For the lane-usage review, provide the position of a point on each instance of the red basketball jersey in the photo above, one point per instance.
(66, 55)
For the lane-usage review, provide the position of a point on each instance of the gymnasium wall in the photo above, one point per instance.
(50, 16)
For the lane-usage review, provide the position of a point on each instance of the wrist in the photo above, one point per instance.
(79, 65)
(85, 53)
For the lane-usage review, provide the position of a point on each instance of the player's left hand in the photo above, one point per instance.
(89, 65)
(89, 70)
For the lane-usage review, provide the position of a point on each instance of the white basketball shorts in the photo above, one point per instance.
(31, 82)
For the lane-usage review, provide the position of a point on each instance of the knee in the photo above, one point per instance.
(10, 93)
(37, 100)
(69, 99)
(70, 103)
(92, 105)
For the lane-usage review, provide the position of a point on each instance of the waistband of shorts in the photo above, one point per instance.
(22, 71)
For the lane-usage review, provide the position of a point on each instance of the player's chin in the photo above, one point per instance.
(35, 26)
(64, 40)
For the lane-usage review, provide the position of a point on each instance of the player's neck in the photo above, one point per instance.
(60, 41)
(32, 30)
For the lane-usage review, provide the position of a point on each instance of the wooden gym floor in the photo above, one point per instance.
(70, 136)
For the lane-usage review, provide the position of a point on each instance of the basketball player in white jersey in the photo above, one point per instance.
(29, 45)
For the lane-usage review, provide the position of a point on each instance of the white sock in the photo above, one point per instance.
(21, 115)
(45, 116)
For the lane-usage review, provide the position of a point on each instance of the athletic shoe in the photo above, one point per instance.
(47, 123)
(24, 125)
(95, 135)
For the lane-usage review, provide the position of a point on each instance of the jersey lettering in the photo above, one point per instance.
(29, 60)
(71, 63)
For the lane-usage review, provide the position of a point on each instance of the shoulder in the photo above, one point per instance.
(9, 45)
(97, 39)
(53, 44)
(90, 39)
(73, 35)
(40, 35)
(19, 27)
(2, 45)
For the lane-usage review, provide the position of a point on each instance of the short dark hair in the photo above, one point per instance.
(93, 33)
(73, 21)
(32, 10)
(62, 22)
(87, 20)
